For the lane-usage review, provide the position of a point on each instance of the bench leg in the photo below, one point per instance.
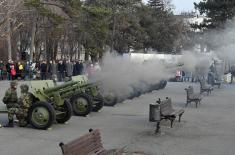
(61, 146)
(196, 103)
(180, 117)
(187, 102)
(157, 127)
(172, 122)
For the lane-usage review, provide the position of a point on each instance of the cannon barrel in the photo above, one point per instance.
(57, 88)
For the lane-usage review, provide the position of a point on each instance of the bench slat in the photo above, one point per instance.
(90, 147)
(94, 133)
(83, 139)
(89, 144)
(167, 109)
(85, 150)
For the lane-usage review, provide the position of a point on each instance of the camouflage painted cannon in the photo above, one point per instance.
(72, 91)
(91, 90)
(48, 105)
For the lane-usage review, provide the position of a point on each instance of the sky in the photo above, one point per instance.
(182, 5)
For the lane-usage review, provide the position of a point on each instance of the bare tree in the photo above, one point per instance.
(8, 11)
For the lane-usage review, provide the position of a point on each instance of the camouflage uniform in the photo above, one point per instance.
(25, 103)
(11, 101)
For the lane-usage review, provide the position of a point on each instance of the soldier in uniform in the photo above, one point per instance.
(11, 101)
(25, 102)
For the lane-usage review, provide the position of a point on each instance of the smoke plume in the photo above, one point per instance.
(122, 76)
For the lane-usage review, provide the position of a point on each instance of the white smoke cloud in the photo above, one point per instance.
(120, 75)
(196, 63)
(223, 41)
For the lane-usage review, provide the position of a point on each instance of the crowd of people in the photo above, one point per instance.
(43, 70)
(210, 74)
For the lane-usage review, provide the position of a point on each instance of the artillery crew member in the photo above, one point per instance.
(25, 102)
(11, 101)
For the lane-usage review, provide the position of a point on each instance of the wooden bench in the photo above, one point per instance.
(89, 144)
(168, 112)
(192, 97)
(204, 87)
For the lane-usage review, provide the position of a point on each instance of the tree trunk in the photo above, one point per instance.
(114, 25)
(32, 46)
(9, 38)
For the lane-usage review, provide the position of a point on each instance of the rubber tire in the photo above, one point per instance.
(156, 86)
(110, 103)
(89, 108)
(98, 103)
(51, 111)
(163, 84)
(69, 111)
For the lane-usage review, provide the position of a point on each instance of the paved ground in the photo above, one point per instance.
(207, 130)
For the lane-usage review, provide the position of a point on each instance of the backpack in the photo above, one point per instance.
(13, 71)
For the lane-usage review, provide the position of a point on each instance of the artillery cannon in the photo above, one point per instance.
(72, 91)
(91, 90)
(45, 108)
(47, 105)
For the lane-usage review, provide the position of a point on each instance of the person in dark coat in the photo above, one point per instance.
(49, 70)
(27, 70)
(61, 70)
(1, 70)
(232, 73)
(8, 69)
(81, 67)
(76, 68)
(43, 70)
(69, 68)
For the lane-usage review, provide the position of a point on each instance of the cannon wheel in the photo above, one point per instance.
(41, 115)
(164, 83)
(98, 103)
(110, 100)
(67, 108)
(81, 104)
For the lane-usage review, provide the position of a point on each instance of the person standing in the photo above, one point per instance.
(27, 71)
(20, 70)
(1, 70)
(90, 70)
(11, 101)
(69, 68)
(76, 68)
(61, 70)
(80, 68)
(54, 70)
(25, 102)
(232, 73)
(49, 70)
(12, 70)
(178, 75)
(8, 69)
(43, 70)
